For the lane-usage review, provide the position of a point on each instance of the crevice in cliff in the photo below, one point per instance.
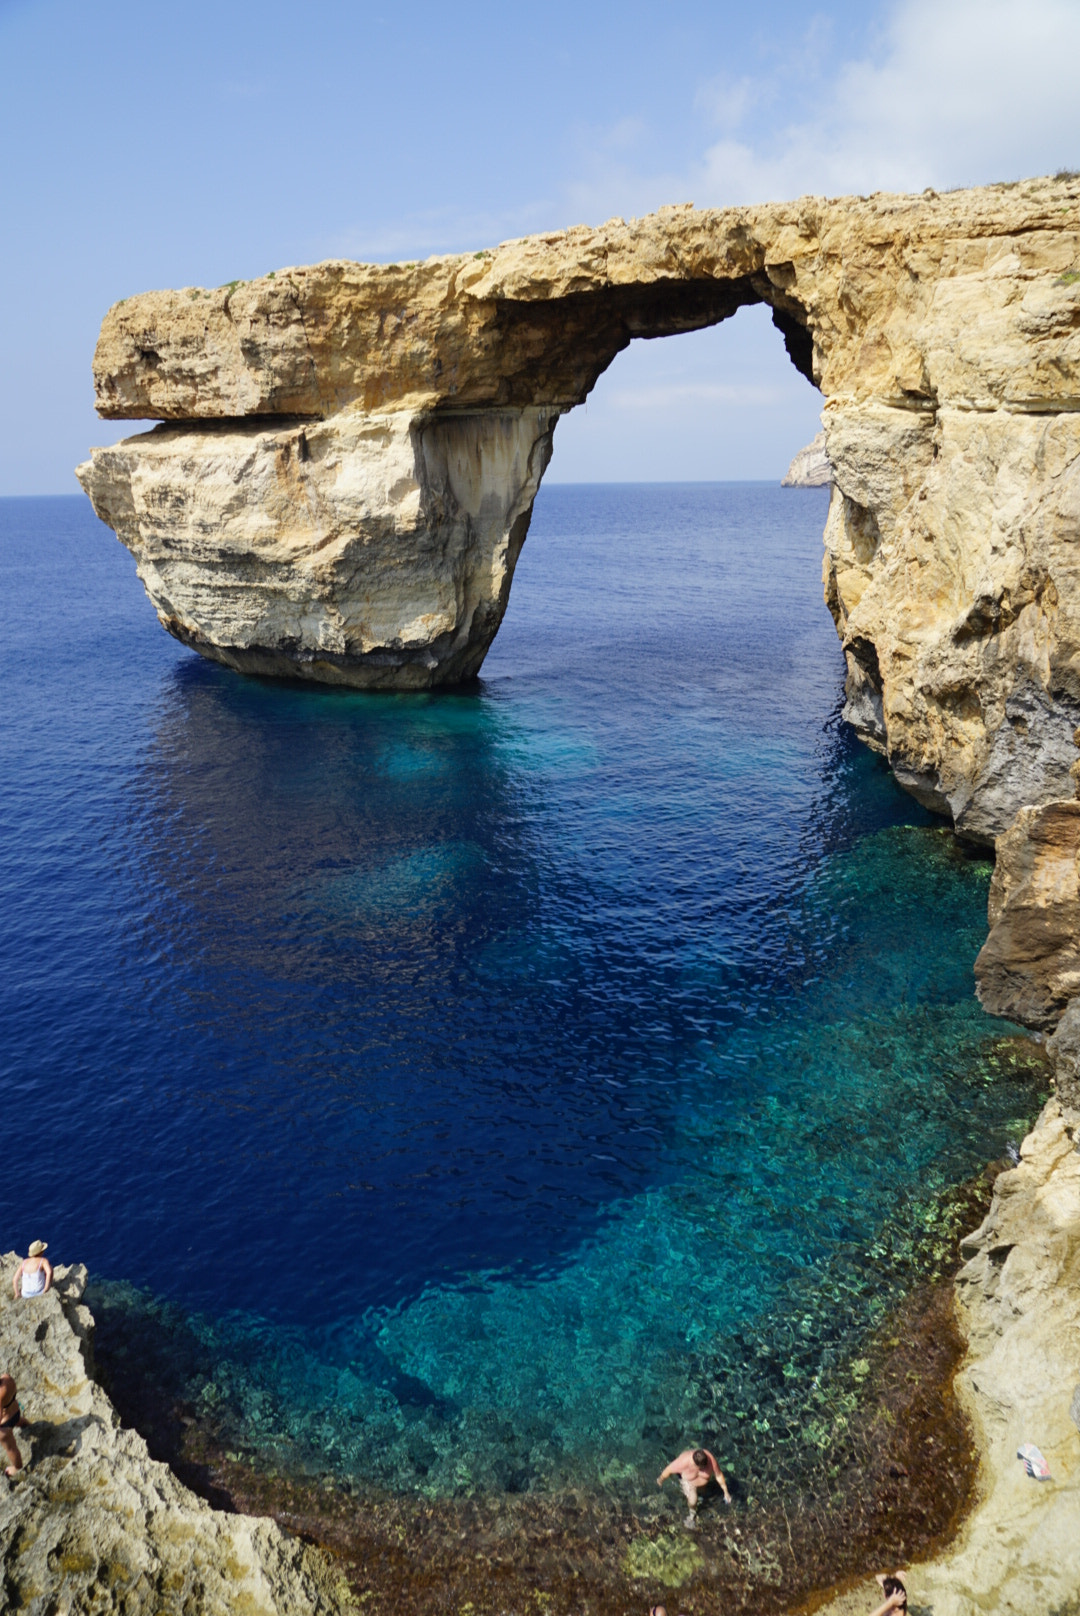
(250, 425)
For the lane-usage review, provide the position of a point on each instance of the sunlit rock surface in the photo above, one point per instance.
(1029, 967)
(93, 1524)
(372, 549)
(1018, 1554)
(810, 467)
(353, 452)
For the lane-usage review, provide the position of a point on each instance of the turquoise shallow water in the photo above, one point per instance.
(526, 1079)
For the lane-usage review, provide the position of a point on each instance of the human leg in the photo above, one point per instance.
(11, 1449)
(690, 1493)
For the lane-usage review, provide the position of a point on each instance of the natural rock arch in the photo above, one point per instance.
(350, 453)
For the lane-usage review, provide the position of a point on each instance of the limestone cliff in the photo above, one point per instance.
(1029, 967)
(810, 467)
(352, 452)
(93, 1524)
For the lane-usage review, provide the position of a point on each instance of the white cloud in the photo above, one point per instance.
(951, 92)
(968, 91)
(726, 101)
(957, 92)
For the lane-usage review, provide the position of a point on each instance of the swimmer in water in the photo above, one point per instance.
(892, 1586)
(695, 1468)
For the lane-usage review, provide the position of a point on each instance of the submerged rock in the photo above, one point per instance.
(92, 1523)
(352, 453)
(810, 468)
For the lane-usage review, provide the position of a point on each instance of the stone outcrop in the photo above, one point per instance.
(1018, 1553)
(371, 550)
(1029, 967)
(810, 467)
(1064, 1052)
(92, 1523)
(351, 452)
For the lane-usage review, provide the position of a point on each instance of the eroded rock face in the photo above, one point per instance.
(1029, 967)
(373, 550)
(951, 553)
(92, 1523)
(1064, 1052)
(354, 451)
(1020, 1306)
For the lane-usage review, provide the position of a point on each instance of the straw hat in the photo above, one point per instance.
(37, 1247)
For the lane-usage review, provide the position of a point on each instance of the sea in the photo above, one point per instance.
(488, 1091)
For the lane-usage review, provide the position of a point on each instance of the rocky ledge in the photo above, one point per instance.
(93, 1524)
(1018, 1553)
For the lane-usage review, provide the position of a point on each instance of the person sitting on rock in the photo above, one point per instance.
(695, 1468)
(11, 1417)
(35, 1271)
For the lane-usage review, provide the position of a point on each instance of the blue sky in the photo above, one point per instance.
(152, 145)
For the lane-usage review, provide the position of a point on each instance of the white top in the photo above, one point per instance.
(33, 1281)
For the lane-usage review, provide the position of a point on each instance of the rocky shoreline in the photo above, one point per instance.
(810, 468)
(92, 1523)
(904, 1469)
(1018, 1296)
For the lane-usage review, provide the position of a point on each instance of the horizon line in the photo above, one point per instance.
(597, 482)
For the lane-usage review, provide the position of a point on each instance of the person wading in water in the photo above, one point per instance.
(695, 1468)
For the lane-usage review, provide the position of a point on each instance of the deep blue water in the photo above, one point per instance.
(484, 1057)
